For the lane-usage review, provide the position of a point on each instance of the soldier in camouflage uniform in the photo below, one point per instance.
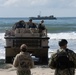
(23, 61)
(20, 24)
(71, 56)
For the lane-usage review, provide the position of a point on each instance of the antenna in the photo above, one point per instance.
(40, 13)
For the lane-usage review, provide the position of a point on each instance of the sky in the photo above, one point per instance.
(29, 8)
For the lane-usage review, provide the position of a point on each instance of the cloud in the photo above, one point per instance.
(32, 7)
(9, 2)
(73, 3)
(22, 2)
(38, 3)
(59, 3)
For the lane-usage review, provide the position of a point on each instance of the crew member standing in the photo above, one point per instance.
(41, 27)
(64, 60)
(23, 61)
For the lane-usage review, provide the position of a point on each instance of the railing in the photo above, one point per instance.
(24, 32)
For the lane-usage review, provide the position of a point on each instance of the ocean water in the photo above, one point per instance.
(62, 28)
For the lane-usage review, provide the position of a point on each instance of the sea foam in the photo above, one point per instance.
(69, 35)
(53, 42)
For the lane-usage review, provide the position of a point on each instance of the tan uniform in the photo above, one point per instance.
(69, 71)
(23, 62)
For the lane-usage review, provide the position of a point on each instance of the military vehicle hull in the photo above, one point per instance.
(37, 45)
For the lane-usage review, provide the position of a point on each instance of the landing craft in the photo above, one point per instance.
(37, 45)
(43, 17)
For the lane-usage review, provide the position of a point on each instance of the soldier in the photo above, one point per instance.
(41, 28)
(20, 24)
(67, 67)
(23, 61)
(31, 24)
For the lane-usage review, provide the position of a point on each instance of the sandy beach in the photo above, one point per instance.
(8, 69)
